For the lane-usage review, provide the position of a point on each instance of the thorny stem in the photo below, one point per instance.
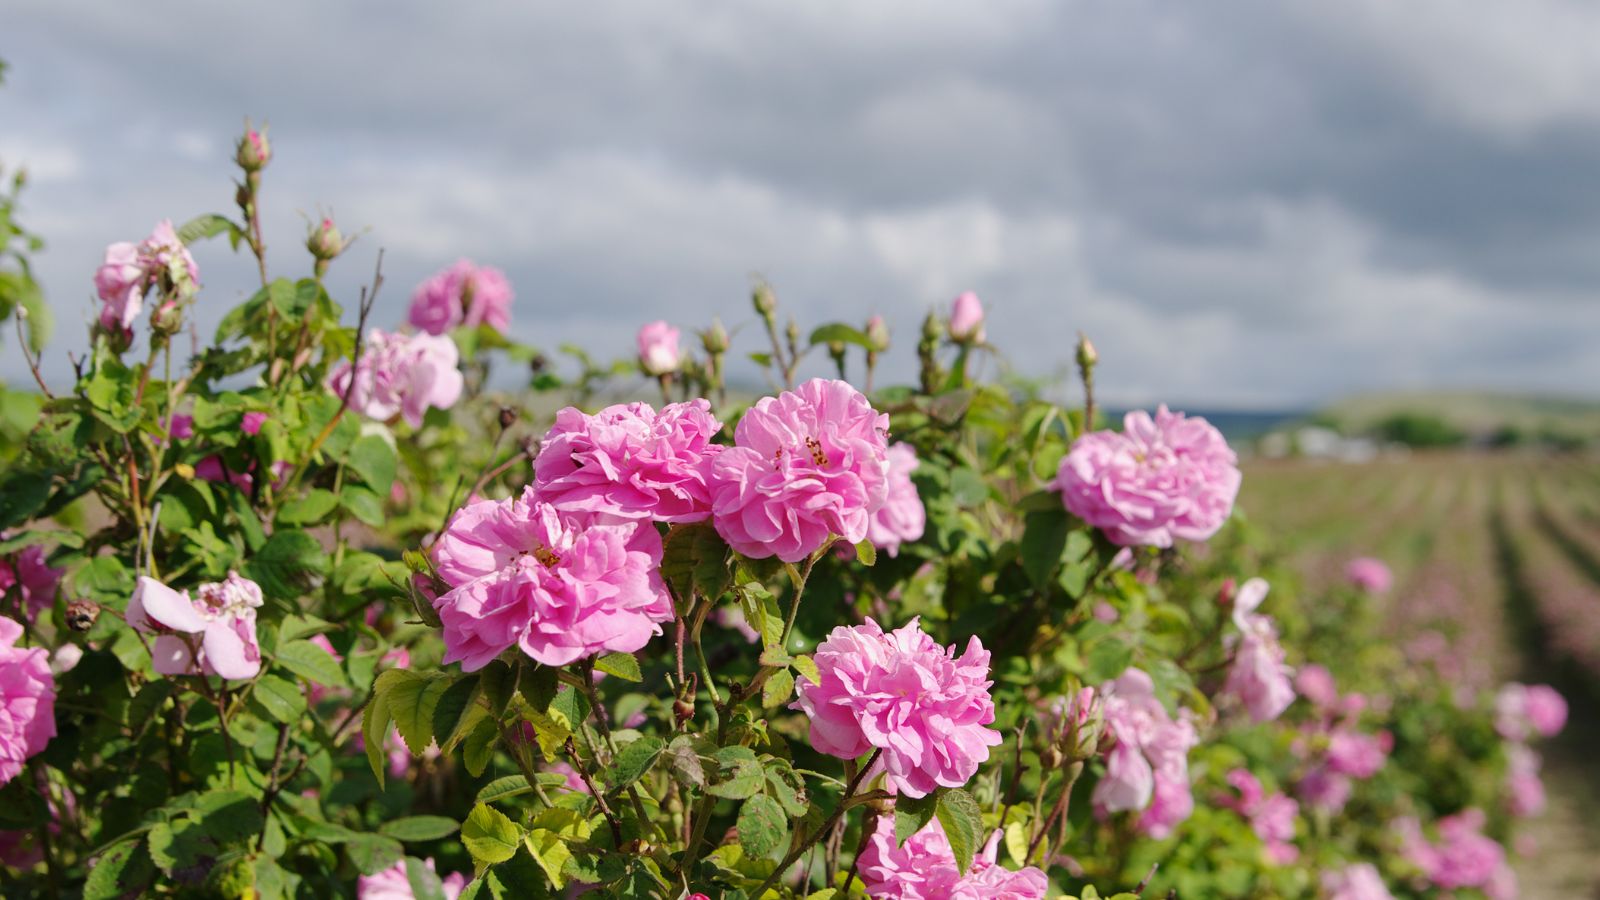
(1073, 771)
(582, 769)
(833, 818)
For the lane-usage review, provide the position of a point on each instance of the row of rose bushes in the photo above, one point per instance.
(317, 612)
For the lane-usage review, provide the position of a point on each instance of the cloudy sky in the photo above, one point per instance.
(1252, 204)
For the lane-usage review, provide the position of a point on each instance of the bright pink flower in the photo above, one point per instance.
(224, 616)
(27, 700)
(463, 294)
(1315, 683)
(393, 884)
(926, 708)
(1370, 575)
(1524, 710)
(181, 426)
(805, 465)
(1357, 755)
(121, 282)
(1258, 676)
(631, 461)
(401, 374)
(1357, 881)
(966, 319)
(1524, 790)
(901, 518)
(1463, 857)
(658, 348)
(251, 424)
(562, 586)
(34, 581)
(1159, 480)
(1147, 766)
(924, 868)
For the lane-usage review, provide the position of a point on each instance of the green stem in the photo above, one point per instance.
(833, 819)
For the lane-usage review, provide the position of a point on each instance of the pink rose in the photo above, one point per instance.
(1324, 789)
(1315, 683)
(1524, 710)
(1368, 574)
(924, 868)
(252, 422)
(464, 294)
(401, 374)
(223, 615)
(925, 707)
(1147, 766)
(120, 282)
(1357, 755)
(394, 884)
(628, 460)
(1160, 480)
(658, 348)
(1258, 676)
(1463, 857)
(1524, 790)
(34, 580)
(1271, 816)
(901, 518)
(806, 465)
(966, 319)
(1357, 881)
(27, 700)
(562, 586)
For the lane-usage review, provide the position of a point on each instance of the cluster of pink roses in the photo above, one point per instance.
(1258, 677)
(1462, 857)
(1158, 480)
(1521, 713)
(924, 868)
(1271, 816)
(1147, 767)
(1338, 751)
(129, 270)
(27, 700)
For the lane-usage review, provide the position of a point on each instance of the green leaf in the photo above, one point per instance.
(122, 871)
(419, 828)
(963, 824)
(310, 509)
(777, 689)
(372, 853)
(310, 661)
(208, 225)
(373, 459)
(280, 698)
(424, 882)
(1107, 659)
(911, 815)
(478, 746)
(289, 564)
(411, 702)
(838, 331)
(1044, 537)
(622, 665)
(489, 836)
(375, 723)
(807, 667)
(866, 553)
(739, 774)
(694, 558)
(499, 683)
(762, 826)
(364, 504)
(504, 789)
(456, 712)
(632, 762)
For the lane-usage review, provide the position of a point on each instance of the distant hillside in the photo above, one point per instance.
(1481, 416)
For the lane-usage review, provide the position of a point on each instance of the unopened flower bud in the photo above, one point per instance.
(793, 332)
(81, 614)
(878, 334)
(1087, 356)
(764, 300)
(324, 240)
(715, 339)
(508, 417)
(1050, 758)
(966, 319)
(167, 320)
(1225, 595)
(932, 328)
(253, 152)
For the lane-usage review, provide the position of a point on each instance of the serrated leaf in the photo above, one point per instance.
(207, 225)
(121, 871)
(685, 761)
(1044, 537)
(963, 824)
(762, 826)
(310, 509)
(411, 703)
(632, 762)
(372, 853)
(281, 699)
(807, 667)
(778, 688)
(911, 815)
(489, 836)
(311, 662)
(375, 724)
(694, 558)
(739, 774)
(418, 828)
(423, 881)
(622, 665)
(478, 746)
(456, 712)
(289, 564)
(498, 682)
(866, 553)
(373, 459)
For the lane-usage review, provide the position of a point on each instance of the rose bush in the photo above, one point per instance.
(319, 610)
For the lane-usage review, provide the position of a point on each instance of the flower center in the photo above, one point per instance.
(817, 456)
(547, 556)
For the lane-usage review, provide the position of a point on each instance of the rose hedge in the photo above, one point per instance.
(312, 611)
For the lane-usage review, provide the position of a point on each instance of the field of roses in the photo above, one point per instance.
(334, 603)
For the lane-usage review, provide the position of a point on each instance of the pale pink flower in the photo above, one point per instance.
(1357, 881)
(401, 374)
(926, 708)
(1315, 683)
(1369, 574)
(562, 586)
(223, 616)
(631, 461)
(252, 422)
(1324, 789)
(1147, 765)
(1462, 857)
(1524, 790)
(168, 260)
(901, 518)
(1358, 755)
(1522, 711)
(129, 270)
(1258, 676)
(966, 319)
(465, 294)
(32, 579)
(27, 700)
(924, 868)
(1271, 816)
(1159, 480)
(806, 465)
(658, 348)
(393, 883)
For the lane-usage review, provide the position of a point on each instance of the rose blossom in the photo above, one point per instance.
(629, 460)
(1357, 881)
(1271, 816)
(34, 580)
(1368, 574)
(1159, 480)
(1258, 676)
(465, 294)
(658, 348)
(901, 518)
(252, 422)
(1147, 766)
(401, 374)
(224, 615)
(394, 884)
(1463, 857)
(130, 269)
(805, 465)
(27, 700)
(966, 319)
(1524, 710)
(562, 586)
(1316, 684)
(924, 868)
(924, 707)
(1358, 755)
(1324, 789)
(1524, 790)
